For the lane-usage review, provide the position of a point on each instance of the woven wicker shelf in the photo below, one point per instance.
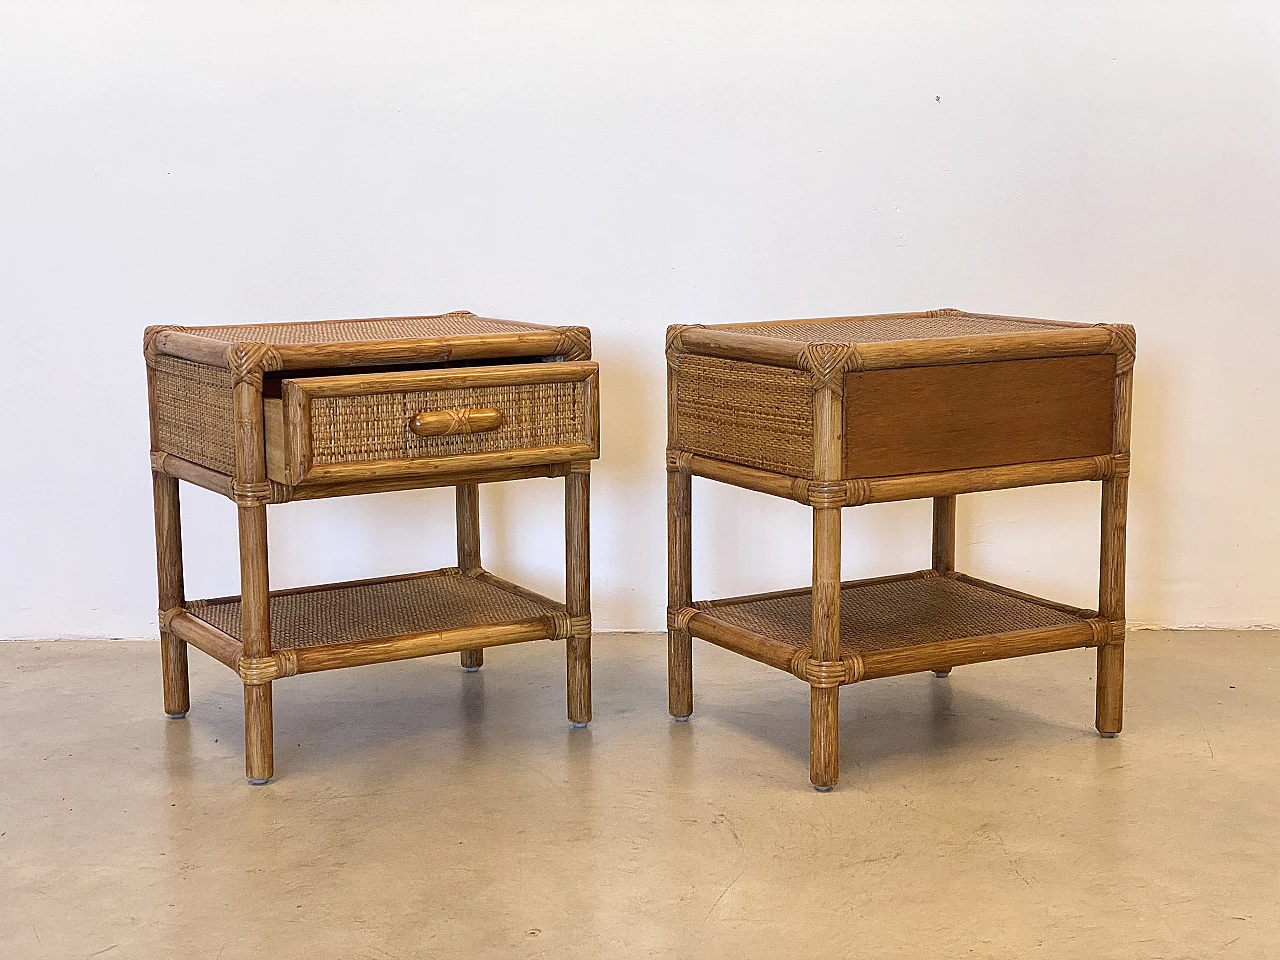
(432, 602)
(900, 624)
(371, 621)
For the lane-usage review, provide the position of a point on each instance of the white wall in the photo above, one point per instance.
(627, 166)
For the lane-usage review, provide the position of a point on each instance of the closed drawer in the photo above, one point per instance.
(927, 419)
(431, 422)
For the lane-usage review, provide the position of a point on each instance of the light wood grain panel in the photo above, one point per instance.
(934, 419)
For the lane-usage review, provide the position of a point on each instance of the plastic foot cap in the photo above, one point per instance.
(1107, 734)
(579, 725)
(942, 673)
(176, 716)
(471, 669)
(258, 783)
(823, 789)
(681, 719)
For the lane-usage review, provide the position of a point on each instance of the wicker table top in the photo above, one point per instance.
(459, 335)
(891, 327)
(459, 323)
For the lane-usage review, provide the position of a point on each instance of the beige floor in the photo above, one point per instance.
(422, 812)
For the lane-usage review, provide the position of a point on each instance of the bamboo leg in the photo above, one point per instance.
(824, 701)
(259, 760)
(578, 594)
(944, 545)
(1109, 717)
(173, 652)
(944, 534)
(679, 594)
(259, 750)
(255, 598)
(468, 513)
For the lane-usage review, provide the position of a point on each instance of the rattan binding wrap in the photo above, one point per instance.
(891, 614)
(748, 413)
(377, 609)
(376, 427)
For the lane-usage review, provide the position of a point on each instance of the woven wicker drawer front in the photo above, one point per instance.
(349, 427)
(358, 429)
(747, 413)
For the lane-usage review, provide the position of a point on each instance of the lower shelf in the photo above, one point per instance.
(371, 621)
(901, 624)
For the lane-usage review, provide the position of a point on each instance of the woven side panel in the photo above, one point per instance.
(885, 329)
(194, 413)
(376, 427)
(358, 331)
(376, 610)
(746, 413)
(899, 613)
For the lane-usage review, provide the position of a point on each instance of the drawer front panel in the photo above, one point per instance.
(370, 425)
(376, 427)
(747, 413)
(928, 419)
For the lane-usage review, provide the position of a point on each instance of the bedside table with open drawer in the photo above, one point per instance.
(270, 413)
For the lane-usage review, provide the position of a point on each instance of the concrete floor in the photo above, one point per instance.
(419, 811)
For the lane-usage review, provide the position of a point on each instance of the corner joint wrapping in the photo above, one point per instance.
(825, 674)
(1124, 344)
(679, 619)
(1106, 633)
(675, 343)
(248, 361)
(565, 627)
(259, 670)
(575, 343)
(251, 494)
(679, 461)
(828, 362)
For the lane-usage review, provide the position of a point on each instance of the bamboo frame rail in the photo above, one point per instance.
(859, 492)
(730, 422)
(220, 399)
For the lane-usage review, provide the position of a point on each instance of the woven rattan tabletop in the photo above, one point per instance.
(459, 335)
(459, 323)
(890, 327)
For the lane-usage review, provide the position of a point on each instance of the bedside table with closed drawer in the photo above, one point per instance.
(848, 411)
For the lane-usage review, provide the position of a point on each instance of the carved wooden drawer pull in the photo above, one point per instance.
(442, 423)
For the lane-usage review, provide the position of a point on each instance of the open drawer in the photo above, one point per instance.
(420, 423)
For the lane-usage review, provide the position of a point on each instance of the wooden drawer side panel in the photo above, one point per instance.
(747, 413)
(359, 429)
(929, 419)
(195, 417)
